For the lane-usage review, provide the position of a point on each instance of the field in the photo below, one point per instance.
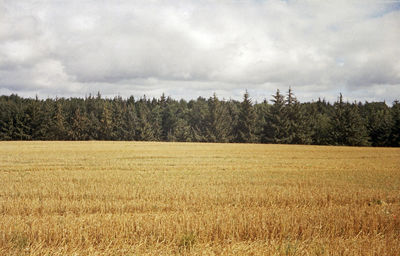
(132, 198)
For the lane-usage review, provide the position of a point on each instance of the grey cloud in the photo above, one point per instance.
(197, 47)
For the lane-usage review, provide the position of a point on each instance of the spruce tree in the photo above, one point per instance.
(261, 111)
(6, 119)
(79, 125)
(58, 128)
(197, 117)
(130, 122)
(118, 127)
(156, 121)
(298, 131)
(348, 126)
(218, 121)
(276, 123)
(22, 129)
(144, 130)
(320, 122)
(35, 119)
(378, 122)
(395, 131)
(246, 122)
(106, 122)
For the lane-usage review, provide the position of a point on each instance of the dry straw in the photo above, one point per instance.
(130, 198)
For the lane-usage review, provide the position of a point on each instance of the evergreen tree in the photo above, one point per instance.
(21, 119)
(395, 131)
(182, 128)
(118, 127)
(155, 120)
(58, 128)
(298, 131)
(7, 126)
(218, 121)
(168, 118)
(379, 123)
(320, 122)
(348, 127)
(93, 106)
(106, 122)
(261, 112)
(22, 130)
(36, 120)
(79, 126)
(130, 120)
(197, 120)
(276, 123)
(144, 130)
(246, 122)
(212, 120)
(233, 107)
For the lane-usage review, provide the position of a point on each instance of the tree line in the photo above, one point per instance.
(284, 120)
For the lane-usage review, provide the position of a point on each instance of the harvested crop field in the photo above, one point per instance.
(138, 198)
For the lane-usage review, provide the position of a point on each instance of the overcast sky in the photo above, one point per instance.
(196, 47)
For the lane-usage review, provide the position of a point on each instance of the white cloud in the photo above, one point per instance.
(193, 48)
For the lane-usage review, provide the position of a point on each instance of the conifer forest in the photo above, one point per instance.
(282, 119)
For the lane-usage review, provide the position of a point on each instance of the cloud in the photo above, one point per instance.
(192, 48)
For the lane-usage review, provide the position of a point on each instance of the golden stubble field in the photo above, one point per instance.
(138, 198)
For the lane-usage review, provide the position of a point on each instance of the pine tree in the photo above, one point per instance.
(7, 129)
(276, 124)
(22, 130)
(118, 127)
(246, 122)
(79, 126)
(130, 120)
(348, 126)
(378, 122)
(395, 131)
(298, 132)
(285, 121)
(168, 118)
(155, 120)
(233, 107)
(144, 130)
(218, 121)
(261, 111)
(6, 119)
(320, 122)
(197, 117)
(106, 122)
(93, 106)
(58, 128)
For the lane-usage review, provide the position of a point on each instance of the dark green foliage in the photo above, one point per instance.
(144, 129)
(197, 119)
(395, 131)
(7, 113)
(348, 127)
(79, 125)
(129, 121)
(379, 122)
(106, 126)
(276, 125)
(298, 130)
(218, 121)
(319, 121)
(245, 130)
(285, 121)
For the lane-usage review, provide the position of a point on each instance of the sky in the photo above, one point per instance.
(191, 48)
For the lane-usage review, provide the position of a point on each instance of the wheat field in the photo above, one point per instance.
(148, 198)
